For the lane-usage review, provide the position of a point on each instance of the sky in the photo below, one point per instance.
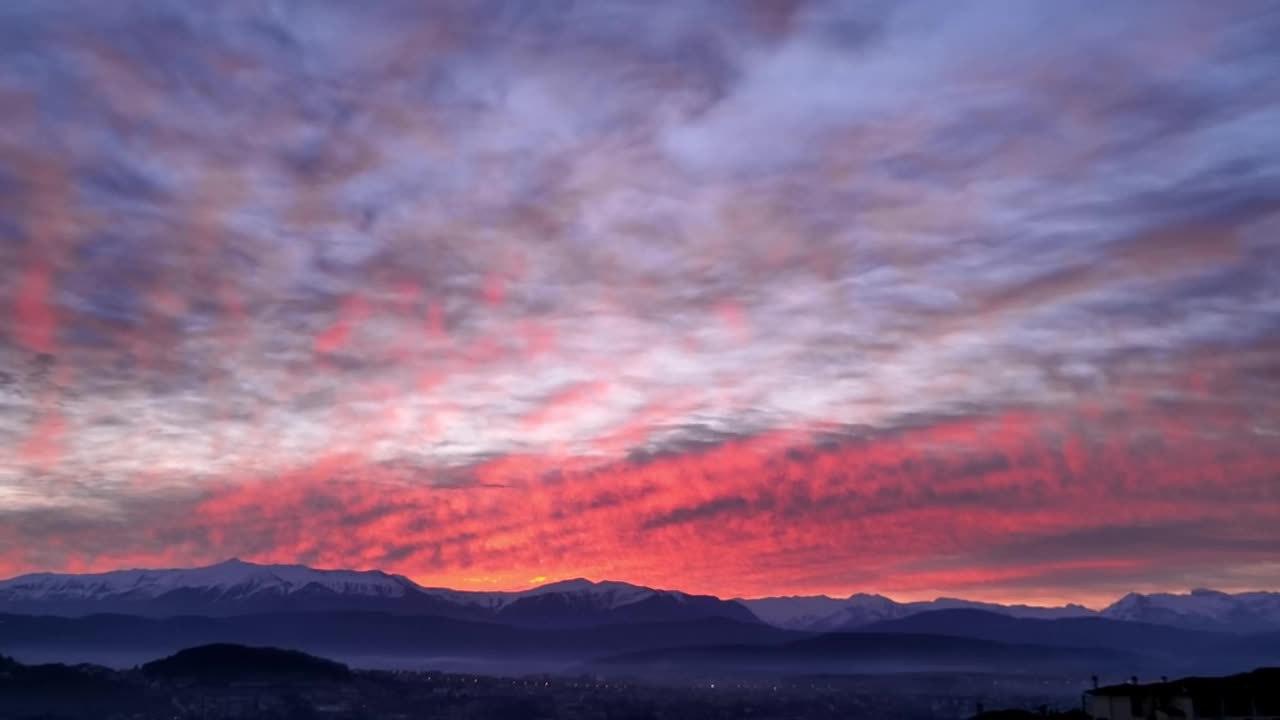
(737, 297)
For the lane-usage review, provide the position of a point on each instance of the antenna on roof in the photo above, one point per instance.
(1095, 682)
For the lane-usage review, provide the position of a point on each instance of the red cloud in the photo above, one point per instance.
(917, 513)
(35, 321)
(562, 404)
(349, 316)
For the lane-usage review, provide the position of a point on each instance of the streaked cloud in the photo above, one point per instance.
(510, 282)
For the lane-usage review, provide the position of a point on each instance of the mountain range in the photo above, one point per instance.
(376, 619)
(236, 587)
(826, 614)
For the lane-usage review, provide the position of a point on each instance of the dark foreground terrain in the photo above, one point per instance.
(232, 681)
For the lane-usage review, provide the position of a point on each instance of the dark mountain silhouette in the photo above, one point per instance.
(383, 634)
(1161, 641)
(225, 662)
(577, 610)
(1067, 632)
(54, 677)
(870, 653)
(69, 692)
(951, 639)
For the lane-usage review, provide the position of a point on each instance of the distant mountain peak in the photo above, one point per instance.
(1201, 608)
(867, 597)
(229, 580)
(821, 613)
(572, 584)
(237, 586)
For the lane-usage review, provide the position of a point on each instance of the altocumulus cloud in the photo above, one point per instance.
(845, 295)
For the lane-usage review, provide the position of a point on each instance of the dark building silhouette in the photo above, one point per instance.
(1254, 695)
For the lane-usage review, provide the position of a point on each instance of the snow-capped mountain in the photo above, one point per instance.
(237, 587)
(824, 614)
(1200, 608)
(569, 603)
(607, 593)
(604, 595)
(229, 587)
(1019, 611)
(229, 580)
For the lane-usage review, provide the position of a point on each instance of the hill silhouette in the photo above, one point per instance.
(355, 634)
(226, 662)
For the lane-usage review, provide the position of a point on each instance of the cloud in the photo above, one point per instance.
(1002, 508)
(700, 511)
(539, 271)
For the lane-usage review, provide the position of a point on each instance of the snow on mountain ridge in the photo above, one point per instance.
(232, 577)
(610, 594)
(236, 579)
(794, 610)
(821, 613)
(1200, 608)
(1019, 611)
(243, 584)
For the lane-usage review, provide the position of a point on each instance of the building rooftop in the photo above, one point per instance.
(1260, 682)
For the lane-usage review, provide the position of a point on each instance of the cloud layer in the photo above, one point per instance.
(744, 298)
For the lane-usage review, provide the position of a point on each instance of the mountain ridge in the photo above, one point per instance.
(236, 586)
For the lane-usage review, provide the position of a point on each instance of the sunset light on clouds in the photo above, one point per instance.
(740, 298)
